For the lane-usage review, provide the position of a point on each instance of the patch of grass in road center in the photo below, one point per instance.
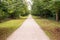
(51, 27)
(7, 27)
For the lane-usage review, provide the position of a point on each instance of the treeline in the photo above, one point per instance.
(12, 9)
(46, 9)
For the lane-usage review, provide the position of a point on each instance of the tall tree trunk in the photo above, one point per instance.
(57, 16)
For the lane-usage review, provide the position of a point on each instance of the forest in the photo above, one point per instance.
(46, 9)
(17, 8)
(12, 9)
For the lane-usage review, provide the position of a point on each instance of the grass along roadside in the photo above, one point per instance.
(7, 27)
(51, 27)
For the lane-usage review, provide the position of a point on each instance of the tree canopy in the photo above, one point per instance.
(46, 8)
(12, 8)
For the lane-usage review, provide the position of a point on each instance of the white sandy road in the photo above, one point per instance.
(29, 30)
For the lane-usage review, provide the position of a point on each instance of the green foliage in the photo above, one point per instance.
(1, 14)
(46, 8)
(12, 9)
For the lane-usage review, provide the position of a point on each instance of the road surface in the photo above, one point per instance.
(29, 30)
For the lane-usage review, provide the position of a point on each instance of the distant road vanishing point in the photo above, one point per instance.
(29, 30)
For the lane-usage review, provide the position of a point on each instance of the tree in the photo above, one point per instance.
(44, 7)
(57, 8)
(13, 9)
